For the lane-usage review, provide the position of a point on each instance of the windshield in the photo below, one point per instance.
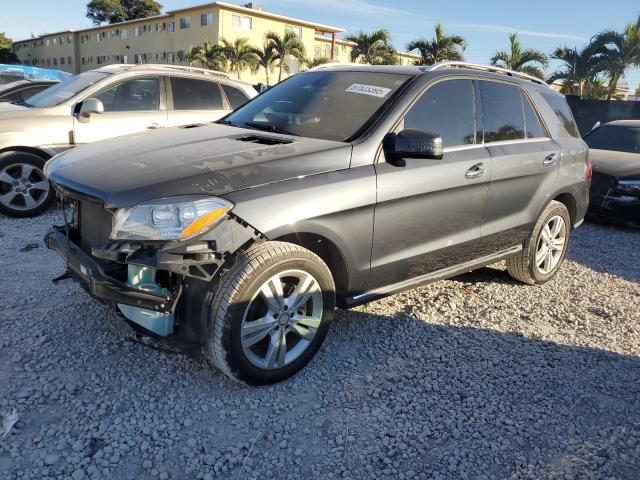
(65, 90)
(615, 137)
(323, 104)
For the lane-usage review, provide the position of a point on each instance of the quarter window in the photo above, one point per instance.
(503, 112)
(235, 96)
(190, 94)
(140, 94)
(533, 126)
(447, 109)
(559, 106)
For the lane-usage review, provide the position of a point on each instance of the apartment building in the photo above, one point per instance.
(159, 39)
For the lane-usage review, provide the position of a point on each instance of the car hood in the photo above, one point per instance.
(199, 160)
(8, 108)
(615, 164)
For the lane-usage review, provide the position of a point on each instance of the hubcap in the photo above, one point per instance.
(551, 244)
(282, 319)
(23, 186)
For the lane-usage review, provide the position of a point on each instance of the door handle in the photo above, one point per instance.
(550, 160)
(153, 126)
(476, 171)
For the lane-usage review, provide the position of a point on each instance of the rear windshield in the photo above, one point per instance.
(559, 105)
(328, 105)
(615, 137)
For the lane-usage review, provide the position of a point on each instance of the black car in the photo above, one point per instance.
(614, 150)
(337, 186)
(22, 89)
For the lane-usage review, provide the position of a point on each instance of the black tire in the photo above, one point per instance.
(239, 285)
(522, 266)
(11, 163)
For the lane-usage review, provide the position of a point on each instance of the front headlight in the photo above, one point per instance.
(177, 218)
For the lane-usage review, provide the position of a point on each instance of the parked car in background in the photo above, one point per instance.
(614, 150)
(339, 185)
(13, 73)
(99, 104)
(22, 89)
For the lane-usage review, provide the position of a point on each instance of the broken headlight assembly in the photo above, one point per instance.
(175, 218)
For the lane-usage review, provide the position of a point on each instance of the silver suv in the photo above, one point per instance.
(108, 102)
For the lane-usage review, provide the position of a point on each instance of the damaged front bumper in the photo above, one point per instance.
(92, 277)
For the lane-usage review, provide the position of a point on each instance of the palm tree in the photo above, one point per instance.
(440, 48)
(620, 50)
(266, 59)
(288, 45)
(518, 59)
(579, 68)
(310, 63)
(212, 56)
(239, 54)
(191, 54)
(373, 48)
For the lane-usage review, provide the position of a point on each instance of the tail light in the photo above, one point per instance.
(589, 173)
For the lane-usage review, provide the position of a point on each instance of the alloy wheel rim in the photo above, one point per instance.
(282, 319)
(551, 245)
(23, 186)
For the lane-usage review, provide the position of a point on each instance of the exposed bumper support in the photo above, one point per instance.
(90, 275)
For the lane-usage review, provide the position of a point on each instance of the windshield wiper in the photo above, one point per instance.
(267, 127)
(22, 103)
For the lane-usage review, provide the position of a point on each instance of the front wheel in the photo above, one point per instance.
(544, 251)
(271, 313)
(24, 190)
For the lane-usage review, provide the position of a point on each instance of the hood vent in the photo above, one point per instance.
(263, 140)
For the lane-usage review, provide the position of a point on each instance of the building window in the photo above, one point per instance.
(69, 61)
(171, 57)
(206, 19)
(241, 21)
(55, 61)
(138, 31)
(69, 39)
(171, 27)
(55, 41)
(185, 22)
(297, 31)
(139, 58)
(61, 60)
(124, 33)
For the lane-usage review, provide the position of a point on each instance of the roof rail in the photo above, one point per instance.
(486, 68)
(330, 64)
(182, 68)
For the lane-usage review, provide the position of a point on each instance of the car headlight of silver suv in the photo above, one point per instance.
(176, 218)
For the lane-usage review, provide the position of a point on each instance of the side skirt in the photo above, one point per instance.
(410, 283)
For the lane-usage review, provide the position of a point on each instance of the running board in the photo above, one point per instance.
(448, 272)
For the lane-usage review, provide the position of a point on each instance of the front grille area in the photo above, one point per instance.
(94, 224)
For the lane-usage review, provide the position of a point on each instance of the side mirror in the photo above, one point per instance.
(90, 106)
(411, 143)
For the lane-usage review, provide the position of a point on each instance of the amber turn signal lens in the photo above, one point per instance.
(204, 222)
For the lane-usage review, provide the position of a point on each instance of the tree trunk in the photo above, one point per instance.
(281, 67)
(266, 75)
(612, 85)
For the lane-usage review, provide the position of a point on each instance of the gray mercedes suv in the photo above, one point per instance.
(336, 187)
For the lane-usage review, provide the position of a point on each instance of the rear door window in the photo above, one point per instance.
(503, 112)
(447, 109)
(192, 94)
(559, 106)
(235, 96)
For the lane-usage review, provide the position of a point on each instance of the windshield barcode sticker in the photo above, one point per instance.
(372, 90)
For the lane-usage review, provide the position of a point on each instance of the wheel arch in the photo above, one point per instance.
(328, 251)
(40, 152)
(569, 201)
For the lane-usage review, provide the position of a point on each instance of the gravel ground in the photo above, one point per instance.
(473, 378)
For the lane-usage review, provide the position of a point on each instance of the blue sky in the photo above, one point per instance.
(484, 23)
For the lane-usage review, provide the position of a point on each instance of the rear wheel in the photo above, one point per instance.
(271, 313)
(24, 189)
(544, 251)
